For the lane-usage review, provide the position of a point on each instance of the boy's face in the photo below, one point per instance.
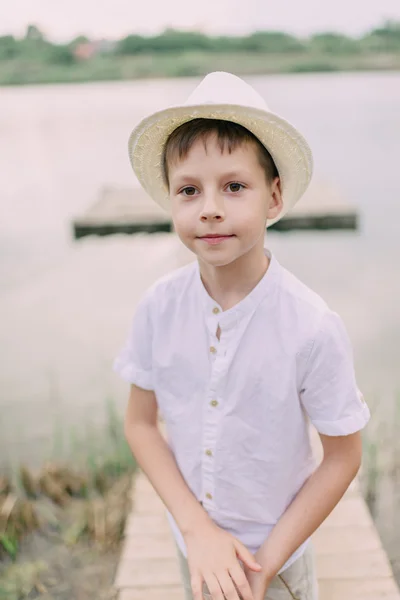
(220, 202)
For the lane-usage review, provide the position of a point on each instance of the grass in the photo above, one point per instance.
(72, 545)
(95, 447)
(21, 580)
(102, 465)
(381, 444)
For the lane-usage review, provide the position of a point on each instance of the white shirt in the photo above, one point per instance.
(236, 410)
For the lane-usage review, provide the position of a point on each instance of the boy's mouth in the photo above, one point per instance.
(215, 238)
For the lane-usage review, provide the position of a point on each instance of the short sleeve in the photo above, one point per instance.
(134, 361)
(329, 391)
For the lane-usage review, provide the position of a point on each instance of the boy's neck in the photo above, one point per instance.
(228, 285)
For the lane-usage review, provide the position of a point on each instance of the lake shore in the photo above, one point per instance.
(190, 64)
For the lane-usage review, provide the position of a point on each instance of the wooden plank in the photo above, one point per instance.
(350, 512)
(156, 523)
(345, 540)
(356, 565)
(122, 210)
(145, 573)
(170, 593)
(147, 503)
(148, 545)
(366, 589)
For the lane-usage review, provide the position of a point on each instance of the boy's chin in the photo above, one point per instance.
(221, 258)
(219, 255)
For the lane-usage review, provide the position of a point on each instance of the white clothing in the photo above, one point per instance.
(236, 410)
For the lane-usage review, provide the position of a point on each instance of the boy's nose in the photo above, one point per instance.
(212, 209)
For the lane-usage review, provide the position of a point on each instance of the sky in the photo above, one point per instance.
(113, 19)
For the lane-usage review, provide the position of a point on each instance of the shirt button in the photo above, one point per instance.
(214, 402)
(213, 350)
(209, 452)
(209, 496)
(215, 310)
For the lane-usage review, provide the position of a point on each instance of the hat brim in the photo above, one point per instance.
(288, 148)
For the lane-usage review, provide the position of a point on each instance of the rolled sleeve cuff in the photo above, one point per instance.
(345, 426)
(132, 374)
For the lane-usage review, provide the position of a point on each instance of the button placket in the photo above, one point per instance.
(212, 414)
(211, 420)
(209, 437)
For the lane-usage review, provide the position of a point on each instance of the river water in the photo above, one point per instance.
(65, 305)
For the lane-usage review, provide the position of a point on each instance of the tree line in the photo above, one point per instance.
(34, 45)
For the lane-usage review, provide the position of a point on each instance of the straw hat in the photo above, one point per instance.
(222, 95)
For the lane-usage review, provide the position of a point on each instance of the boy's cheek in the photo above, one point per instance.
(180, 228)
(183, 224)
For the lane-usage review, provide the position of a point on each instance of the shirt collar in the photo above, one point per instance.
(229, 318)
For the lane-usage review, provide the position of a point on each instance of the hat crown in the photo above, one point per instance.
(225, 88)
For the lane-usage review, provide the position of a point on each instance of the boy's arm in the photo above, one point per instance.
(314, 502)
(154, 456)
(212, 553)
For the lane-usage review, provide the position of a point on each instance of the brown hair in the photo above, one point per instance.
(229, 134)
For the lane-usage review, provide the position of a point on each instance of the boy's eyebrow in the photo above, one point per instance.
(184, 178)
(237, 173)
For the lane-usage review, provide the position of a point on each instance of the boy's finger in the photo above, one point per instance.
(228, 587)
(246, 557)
(241, 583)
(197, 588)
(214, 588)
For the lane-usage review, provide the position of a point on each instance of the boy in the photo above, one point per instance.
(237, 354)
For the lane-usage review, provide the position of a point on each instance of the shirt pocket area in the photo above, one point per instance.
(177, 391)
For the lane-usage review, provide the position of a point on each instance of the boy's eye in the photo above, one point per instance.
(190, 191)
(235, 187)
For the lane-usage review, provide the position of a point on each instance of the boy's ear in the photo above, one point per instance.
(276, 202)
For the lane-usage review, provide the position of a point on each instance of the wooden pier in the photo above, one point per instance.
(120, 210)
(351, 562)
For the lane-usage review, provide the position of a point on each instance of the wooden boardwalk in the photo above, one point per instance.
(131, 211)
(351, 562)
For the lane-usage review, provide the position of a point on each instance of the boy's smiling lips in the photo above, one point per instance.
(215, 238)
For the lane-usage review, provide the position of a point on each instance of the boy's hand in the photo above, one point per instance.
(213, 557)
